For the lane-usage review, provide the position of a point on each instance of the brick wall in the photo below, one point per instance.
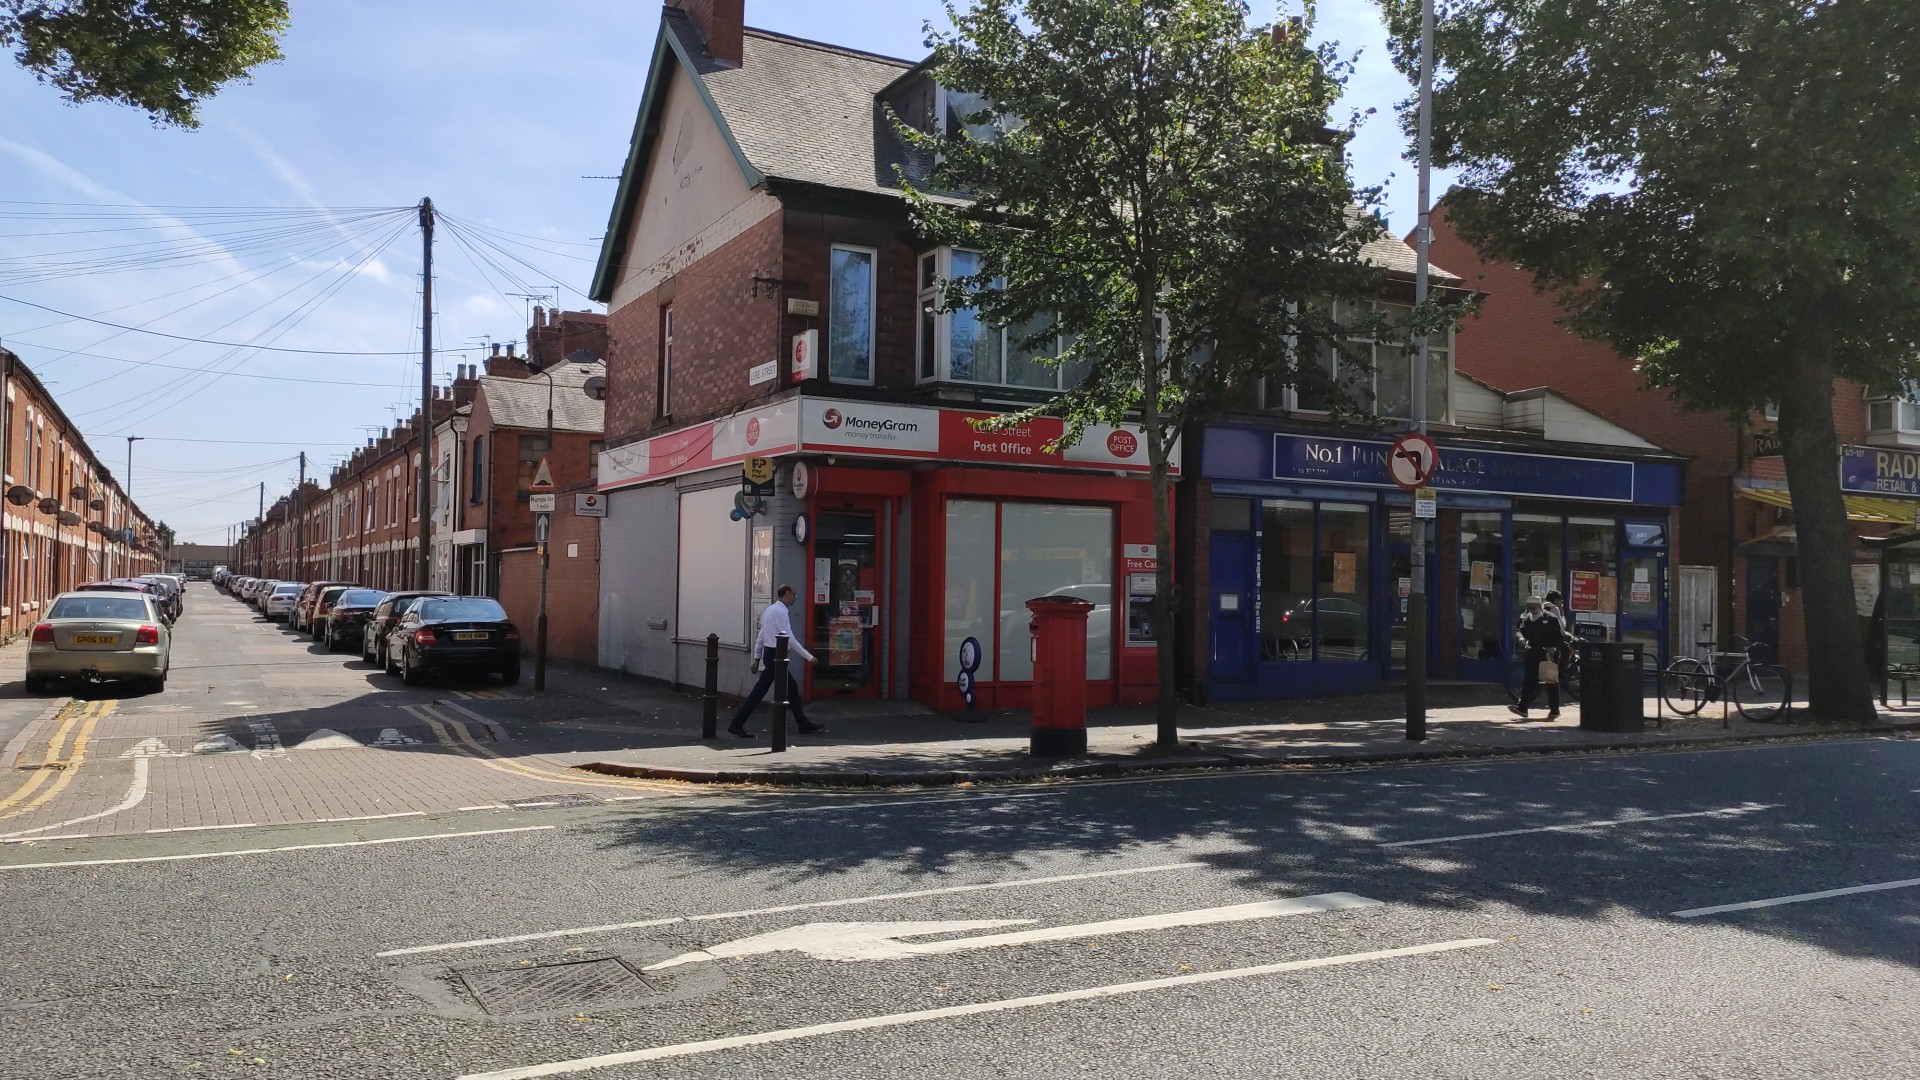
(807, 269)
(573, 590)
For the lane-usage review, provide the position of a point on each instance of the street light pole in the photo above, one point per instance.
(540, 625)
(131, 439)
(1423, 238)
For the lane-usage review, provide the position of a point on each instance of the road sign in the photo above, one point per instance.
(1426, 503)
(540, 504)
(542, 527)
(1412, 459)
(542, 477)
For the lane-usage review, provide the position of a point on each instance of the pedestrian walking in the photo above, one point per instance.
(776, 622)
(1542, 639)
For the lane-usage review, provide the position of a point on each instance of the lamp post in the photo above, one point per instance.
(542, 523)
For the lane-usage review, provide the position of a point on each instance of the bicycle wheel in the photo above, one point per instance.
(1685, 685)
(1761, 691)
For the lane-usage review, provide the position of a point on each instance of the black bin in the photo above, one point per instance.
(1612, 697)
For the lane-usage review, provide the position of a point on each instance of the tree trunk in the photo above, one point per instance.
(1166, 711)
(1838, 686)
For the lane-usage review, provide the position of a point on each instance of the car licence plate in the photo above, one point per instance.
(470, 635)
(96, 639)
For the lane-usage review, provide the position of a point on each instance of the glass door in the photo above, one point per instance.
(848, 587)
(1643, 602)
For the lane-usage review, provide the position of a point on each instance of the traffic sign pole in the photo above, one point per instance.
(1412, 461)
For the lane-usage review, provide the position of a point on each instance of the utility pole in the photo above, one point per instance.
(300, 520)
(1423, 239)
(259, 558)
(131, 439)
(422, 557)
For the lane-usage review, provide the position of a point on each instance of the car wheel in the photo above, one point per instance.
(386, 663)
(157, 684)
(333, 643)
(511, 675)
(410, 674)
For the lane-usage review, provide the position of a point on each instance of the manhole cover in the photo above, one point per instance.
(554, 986)
(544, 802)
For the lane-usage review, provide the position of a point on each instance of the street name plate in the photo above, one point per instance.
(540, 504)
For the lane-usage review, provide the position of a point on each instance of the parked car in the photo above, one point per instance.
(454, 633)
(373, 640)
(100, 634)
(347, 622)
(303, 606)
(256, 593)
(321, 609)
(277, 605)
(170, 591)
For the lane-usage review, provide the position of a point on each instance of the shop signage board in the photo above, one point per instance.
(1873, 470)
(1366, 463)
(589, 504)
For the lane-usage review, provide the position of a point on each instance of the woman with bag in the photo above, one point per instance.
(1542, 638)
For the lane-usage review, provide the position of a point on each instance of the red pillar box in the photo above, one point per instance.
(1059, 676)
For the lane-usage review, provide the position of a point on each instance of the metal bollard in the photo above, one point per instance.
(780, 695)
(710, 699)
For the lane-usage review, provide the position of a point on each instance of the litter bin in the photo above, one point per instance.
(1612, 695)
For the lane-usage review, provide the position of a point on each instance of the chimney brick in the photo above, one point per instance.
(722, 24)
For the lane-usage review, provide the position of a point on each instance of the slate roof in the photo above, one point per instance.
(522, 403)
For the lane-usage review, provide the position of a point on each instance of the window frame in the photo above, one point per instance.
(663, 376)
(873, 314)
(928, 289)
(478, 469)
(1289, 398)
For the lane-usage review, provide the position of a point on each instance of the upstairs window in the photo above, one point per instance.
(1374, 375)
(477, 489)
(960, 346)
(850, 320)
(663, 401)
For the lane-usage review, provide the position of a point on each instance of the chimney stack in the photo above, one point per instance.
(722, 25)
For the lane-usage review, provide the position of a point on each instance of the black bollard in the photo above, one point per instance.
(780, 695)
(710, 700)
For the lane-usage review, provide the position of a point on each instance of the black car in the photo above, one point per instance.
(347, 621)
(442, 633)
(373, 640)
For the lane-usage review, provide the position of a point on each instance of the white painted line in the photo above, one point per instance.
(370, 817)
(1797, 898)
(815, 905)
(870, 1023)
(1579, 826)
(136, 793)
(484, 806)
(881, 940)
(272, 850)
(48, 839)
(208, 828)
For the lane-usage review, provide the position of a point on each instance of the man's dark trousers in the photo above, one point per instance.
(760, 692)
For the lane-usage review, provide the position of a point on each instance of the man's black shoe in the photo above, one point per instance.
(809, 729)
(740, 733)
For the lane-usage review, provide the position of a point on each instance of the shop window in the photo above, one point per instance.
(1483, 624)
(1593, 583)
(1048, 550)
(1646, 534)
(850, 319)
(1539, 549)
(971, 602)
(1230, 515)
(1314, 581)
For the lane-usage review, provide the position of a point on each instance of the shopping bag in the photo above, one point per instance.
(1549, 673)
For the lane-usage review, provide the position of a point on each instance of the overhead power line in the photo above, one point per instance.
(222, 344)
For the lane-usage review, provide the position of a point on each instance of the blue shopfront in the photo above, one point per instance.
(1309, 555)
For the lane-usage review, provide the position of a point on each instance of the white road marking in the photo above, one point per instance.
(48, 839)
(1579, 826)
(208, 828)
(219, 744)
(1797, 898)
(896, 803)
(150, 748)
(879, 940)
(870, 1023)
(136, 793)
(392, 737)
(272, 850)
(328, 739)
(815, 905)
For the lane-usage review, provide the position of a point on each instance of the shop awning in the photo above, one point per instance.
(1859, 507)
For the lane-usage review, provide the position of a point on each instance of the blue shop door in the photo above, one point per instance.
(1230, 621)
(1643, 604)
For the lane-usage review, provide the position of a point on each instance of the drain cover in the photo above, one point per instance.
(544, 802)
(554, 986)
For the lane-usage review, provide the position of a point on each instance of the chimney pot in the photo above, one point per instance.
(509, 350)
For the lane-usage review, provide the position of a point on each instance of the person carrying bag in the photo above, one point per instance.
(1543, 640)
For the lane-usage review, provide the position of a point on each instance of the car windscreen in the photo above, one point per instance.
(331, 595)
(360, 598)
(98, 607)
(464, 608)
(287, 590)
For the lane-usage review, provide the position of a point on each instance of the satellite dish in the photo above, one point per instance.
(68, 517)
(49, 505)
(596, 387)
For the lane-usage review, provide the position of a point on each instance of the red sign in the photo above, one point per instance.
(1412, 460)
(753, 431)
(1585, 591)
(681, 450)
(1024, 444)
(1139, 558)
(1122, 443)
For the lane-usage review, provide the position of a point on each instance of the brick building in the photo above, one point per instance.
(1734, 551)
(64, 519)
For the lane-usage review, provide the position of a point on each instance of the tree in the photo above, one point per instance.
(1727, 190)
(163, 56)
(1154, 183)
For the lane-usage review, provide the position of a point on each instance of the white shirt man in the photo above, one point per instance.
(775, 621)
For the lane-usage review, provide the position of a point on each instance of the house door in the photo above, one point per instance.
(849, 593)
(1230, 631)
(1643, 602)
(1763, 602)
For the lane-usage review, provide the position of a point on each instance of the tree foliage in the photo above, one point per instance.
(1156, 181)
(163, 56)
(1727, 190)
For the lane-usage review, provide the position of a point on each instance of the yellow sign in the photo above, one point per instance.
(1425, 493)
(758, 469)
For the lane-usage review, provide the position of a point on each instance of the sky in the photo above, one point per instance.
(286, 222)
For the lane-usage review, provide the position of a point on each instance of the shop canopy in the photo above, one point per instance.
(1859, 507)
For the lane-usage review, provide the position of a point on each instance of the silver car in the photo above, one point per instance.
(278, 604)
(100, 635)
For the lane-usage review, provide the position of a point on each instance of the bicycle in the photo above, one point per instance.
(1569, 676)
(1760, 691)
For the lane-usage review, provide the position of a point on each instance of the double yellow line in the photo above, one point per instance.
(78, 720)
(458, 737)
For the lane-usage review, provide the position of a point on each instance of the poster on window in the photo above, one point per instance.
(844, 641)
(762, 565)
(1584, 594)
(1345, 566)
(1480, 577)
